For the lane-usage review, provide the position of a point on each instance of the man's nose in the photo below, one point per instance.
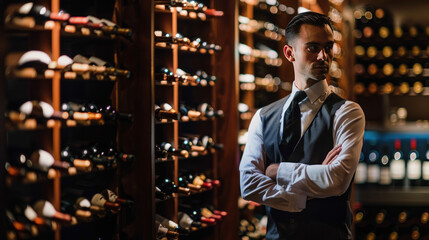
(322, 55)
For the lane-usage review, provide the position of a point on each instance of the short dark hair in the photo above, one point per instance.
(312, 18)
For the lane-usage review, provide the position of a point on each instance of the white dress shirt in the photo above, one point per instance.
(297, 181)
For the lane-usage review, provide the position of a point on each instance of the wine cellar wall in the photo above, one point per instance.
(391, 86)
(120, 120)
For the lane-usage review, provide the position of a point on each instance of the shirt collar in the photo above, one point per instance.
(314, 92)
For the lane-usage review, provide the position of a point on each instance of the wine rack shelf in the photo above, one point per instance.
(413, 196)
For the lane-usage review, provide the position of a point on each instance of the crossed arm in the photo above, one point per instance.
(286, 186)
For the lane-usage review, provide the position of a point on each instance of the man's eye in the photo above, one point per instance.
(328, 48)
(313, 49)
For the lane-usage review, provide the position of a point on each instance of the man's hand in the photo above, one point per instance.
(332, 155)
(271, 171)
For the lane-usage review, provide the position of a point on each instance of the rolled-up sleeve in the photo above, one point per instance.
(320, 181)
(254, 184)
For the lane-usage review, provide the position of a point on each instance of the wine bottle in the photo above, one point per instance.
(213, 182)
(387, 51)
(416, 232)
(166, 187)
(210, 144)
(401, 51)
(209, 214)
(108, 27)
(171, 225)
(415, 51)
(413, 31)
(182, 41)
(186, 144)
(112, 197)
(197, 180)
(165, 115)
(170, 150)
(388, 69)
(164, 232)
(216, 211)
(382, 220)
(81, 164)
(361, 175)
(359, 50)
(160, 153)
(425, 166)
(362, 222)
(183, 182)
(81, 113)
(403, 69)
(373, 165)
(105, 67)
(424, 219)
(178, 3)
(205, 78)
(185, 221)
(405, 221)
(371, 51)
(195, 214)
(404, 88)
(187, 78)
(188, 113)
(383, 32)
(414, 165)
(196, 141)
(25, 174)
(368, 32)
(208, 111)
(385, 178)
(78, 209)
(372, 69)
(41, 111)
(24, 229)
(398, 32)
(397, 165)
(417, 69)
(45, 159)
(163, 39)
(46, 209)
(165, 76)
(417, 87)
(100, 201)
(30, 14)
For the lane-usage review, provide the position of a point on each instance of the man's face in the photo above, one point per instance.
(312, 52)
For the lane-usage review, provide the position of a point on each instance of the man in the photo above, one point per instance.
(304, 179)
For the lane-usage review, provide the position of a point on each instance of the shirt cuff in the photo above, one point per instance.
(284, 174)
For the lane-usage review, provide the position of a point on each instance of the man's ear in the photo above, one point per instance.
(289, 54)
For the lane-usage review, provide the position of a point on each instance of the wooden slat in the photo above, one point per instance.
(225, 30)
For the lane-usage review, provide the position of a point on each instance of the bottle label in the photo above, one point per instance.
(414, 169)
(397, 169)
(385, 176)
(426, 170)
(361, 173)
(373, 173)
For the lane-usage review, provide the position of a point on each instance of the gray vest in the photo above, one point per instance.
(323, 218)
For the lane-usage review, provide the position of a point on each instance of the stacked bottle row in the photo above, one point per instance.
(262, 37)
(38, 218)
(35, 166)
(185, 112)
(33, 16)
(253, 221)
(63, 153)
(398, 67)
(400, 162)
(392, 223)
